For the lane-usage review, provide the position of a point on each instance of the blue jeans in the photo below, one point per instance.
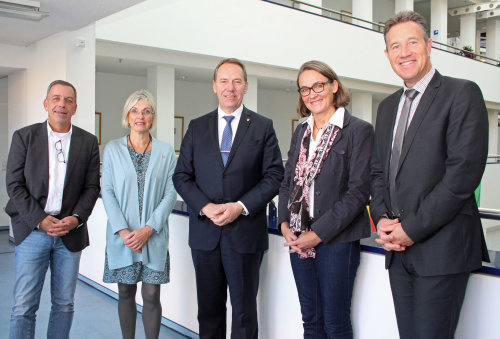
(32, 259)
(325, 287)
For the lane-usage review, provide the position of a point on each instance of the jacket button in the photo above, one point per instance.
(317, 193)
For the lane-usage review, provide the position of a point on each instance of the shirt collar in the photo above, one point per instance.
(422, 84)
(51, 132)
(236, 113)
(336, 119)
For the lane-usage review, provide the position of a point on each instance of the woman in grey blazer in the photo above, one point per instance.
(322, 201)
(138, 195)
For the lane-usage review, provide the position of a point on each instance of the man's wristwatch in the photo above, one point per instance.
(80, 221)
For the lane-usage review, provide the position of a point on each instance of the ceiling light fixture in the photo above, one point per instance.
(22, 9)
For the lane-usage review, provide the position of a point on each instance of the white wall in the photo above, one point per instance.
(274, 35)
(13, 57)
(373, 314)
(280, 106)
(338, 5)
(4, 219)
(193, 99)
(382, 10)
(111, 91)
(55, 57)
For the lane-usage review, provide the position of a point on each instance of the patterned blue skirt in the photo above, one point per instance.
(136, 272)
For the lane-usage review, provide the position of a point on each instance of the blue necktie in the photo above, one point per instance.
(227, 139)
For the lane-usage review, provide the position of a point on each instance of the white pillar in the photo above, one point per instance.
(477, 46)
(318, 3)
(403, 5)
(439, 21)
(493, 38)
(493, 132)
(251, 98)
(468, 30)
(161, 83)
(362, 9)
(361, 103)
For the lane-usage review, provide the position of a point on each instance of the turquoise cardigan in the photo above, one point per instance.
(120, 198)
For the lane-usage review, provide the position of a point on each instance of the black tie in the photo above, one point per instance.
(397, 145)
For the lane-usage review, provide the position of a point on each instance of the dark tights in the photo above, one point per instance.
(151, 311)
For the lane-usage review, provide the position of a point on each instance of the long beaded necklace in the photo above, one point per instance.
(140, 156)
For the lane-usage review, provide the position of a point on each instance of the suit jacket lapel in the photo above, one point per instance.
(213, 132)
(245, 121)
(389, 123)
(75, 148)
(347, 119)
(41, 148)
(420, 113)
(298, 144)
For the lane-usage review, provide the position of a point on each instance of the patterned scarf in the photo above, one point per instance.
(305, 173)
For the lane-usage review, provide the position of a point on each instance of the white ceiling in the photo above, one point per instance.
(63, 15)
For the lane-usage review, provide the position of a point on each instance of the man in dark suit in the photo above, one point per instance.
(53, 183)
(430, 152)
(229, 168)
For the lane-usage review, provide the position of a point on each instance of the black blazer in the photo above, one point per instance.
(342, 188)
(28, 182)
(442, 161)
(252, 175)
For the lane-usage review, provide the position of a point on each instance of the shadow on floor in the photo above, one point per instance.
(96, 314)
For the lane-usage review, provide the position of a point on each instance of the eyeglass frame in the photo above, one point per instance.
(59, 151)
(146, 112)
(322, 83)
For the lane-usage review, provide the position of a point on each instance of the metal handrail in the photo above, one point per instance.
(336, 12)
(489, 213)
(465, 53)
(441, 46)
(493, 159)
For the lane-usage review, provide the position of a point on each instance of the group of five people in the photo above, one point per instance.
(420, 168)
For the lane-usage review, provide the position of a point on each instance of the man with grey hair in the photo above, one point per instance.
(430, 151)
(53, 184)
(229, 168)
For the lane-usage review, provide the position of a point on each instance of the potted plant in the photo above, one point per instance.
(468, 52)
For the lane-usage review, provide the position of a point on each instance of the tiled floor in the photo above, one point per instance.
(96, 314)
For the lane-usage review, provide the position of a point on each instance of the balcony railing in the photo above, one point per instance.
(348, 18)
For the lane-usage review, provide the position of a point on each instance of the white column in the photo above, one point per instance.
(439, 20)
(468, 30)
(318, 3)
(493, 38)
(161, 83)
(250, 100)
(362, 9)
(361, 103)
(403, 5)
(493, 132)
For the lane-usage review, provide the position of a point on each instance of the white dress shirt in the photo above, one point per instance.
(234, 126)
(336, 119)
(420, 86)
(234, 123)
(57, 169)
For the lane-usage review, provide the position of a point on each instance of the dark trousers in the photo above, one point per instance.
(215, 271)
(426, 307)
(325, 286)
